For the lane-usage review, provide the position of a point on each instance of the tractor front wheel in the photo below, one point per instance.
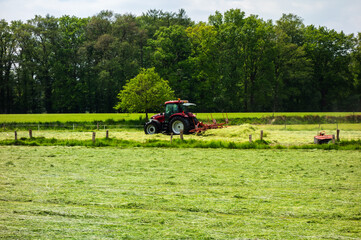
(151, 128)
(178, 124)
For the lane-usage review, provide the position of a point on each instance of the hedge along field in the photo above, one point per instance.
(100, 193)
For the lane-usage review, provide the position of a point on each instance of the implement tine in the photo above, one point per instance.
(213, 120)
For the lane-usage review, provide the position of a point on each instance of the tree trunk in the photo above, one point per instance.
(146, 115)
(253, 79)
(323, 91)
(245, 97)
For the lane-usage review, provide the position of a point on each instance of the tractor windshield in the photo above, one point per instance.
(171, 109)
(185, 106)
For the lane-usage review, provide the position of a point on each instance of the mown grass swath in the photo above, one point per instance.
(157, 193)
(177, 143)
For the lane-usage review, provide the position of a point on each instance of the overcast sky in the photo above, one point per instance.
(334, 14)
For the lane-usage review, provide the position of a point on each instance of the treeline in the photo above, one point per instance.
(232, 63)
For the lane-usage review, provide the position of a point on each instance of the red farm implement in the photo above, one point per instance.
(202, 127)
(322, 138)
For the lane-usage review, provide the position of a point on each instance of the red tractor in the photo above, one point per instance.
(175, 119)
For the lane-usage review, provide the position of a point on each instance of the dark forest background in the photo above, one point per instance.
(231, 63)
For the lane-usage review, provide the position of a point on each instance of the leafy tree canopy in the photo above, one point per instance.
(234, 62)
(147, 91)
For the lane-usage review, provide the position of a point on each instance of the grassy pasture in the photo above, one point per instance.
(103, 193)
(137, 193)
(93, 117)
(270, 114)
(71, 117)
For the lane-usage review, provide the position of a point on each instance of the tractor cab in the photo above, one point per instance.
(171, 109)
(174, 107)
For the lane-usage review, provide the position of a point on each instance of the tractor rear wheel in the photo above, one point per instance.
(151, 128)
(178, 124)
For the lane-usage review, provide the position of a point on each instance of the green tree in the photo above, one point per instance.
(329, 52)
(46, 33)
(28, 91)
(244, 66)
(233, 63)
(204, 60)
(111, 54)
(230, 58)
(145, 92)
(256, 43)
(292, 87)
(95, 54)
(356, 72)
(7, 50)
(67, 83)
(170, 58)
(154, 19)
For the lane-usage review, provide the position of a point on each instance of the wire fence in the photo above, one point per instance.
(138, 124)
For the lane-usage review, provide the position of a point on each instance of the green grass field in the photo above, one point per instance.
(91, 117)
(112, 193)
(71, 117)
(56, 192)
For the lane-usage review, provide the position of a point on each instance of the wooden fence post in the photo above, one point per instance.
(181, 135)
(171, 138)
(16, 136)
(93, 138)
(107, 134)
(30, 133)
(338, 135)
(250, 138)
(333, 138)
(261, 135)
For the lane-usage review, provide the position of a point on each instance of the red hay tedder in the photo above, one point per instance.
(177, 119)
(202, 127)
(322, 138)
